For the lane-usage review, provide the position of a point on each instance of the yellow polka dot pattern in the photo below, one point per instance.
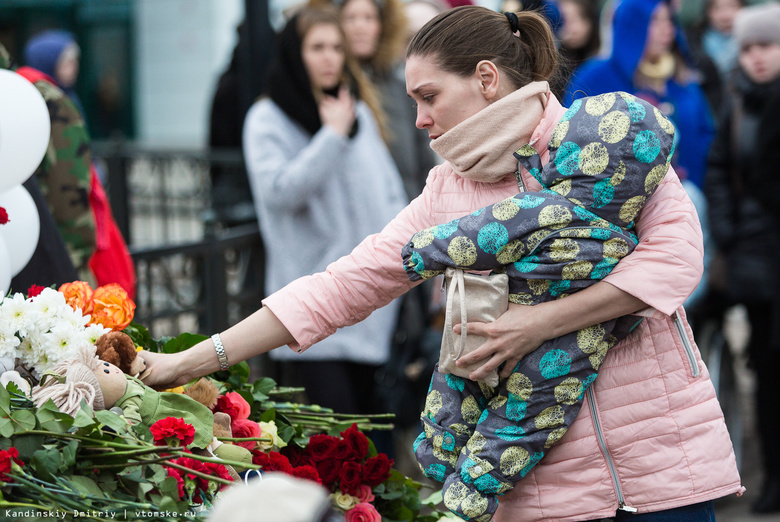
(598, 357)
(521, 299)
(539, 286)
(594, 158)
(564, 250)
(631, 208)
(514, 459)
(663, 121)
(559, 133)
(616, 247)
(476, 443)
(497, 402)
(470, 410)
(554, 437)
(598, 105)
(446, 456)
(655, 177)
(563, 187)
(423, 238)
(614, 126)
(461, 429)
(433, 403)
(620, 174)
(555, 216)
(568, 390)
(462, 251)
(520, 385)
(511, 252)
(549, 417)
(588, 339)
(505, 210)
(577, 270)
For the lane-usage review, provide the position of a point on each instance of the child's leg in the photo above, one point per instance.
(452, 408)
(532, 410)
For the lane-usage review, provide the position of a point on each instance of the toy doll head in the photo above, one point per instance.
(84, 377)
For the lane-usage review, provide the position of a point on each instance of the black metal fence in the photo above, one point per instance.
(195, 273)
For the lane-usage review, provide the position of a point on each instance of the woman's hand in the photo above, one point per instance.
(338, 113)
(508, 339)
(164, 370)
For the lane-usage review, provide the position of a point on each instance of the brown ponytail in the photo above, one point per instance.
(460, 38)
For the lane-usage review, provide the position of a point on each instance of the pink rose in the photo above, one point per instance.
(365, 494)
(363, 512)
(245, 429)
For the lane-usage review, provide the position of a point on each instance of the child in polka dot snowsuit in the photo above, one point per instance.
(607, 156)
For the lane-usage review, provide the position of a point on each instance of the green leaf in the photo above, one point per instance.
(144, 488)
(27, 445)
(134, 473)
(25, 420)
(5, 402)
(268, 415)
(85, 485)
(84, 417)
(69, 454)
(47, 463)
(52, 419)
(262, 387)
(182, 342)
(141, 337)
(6, 427)
(112, 420)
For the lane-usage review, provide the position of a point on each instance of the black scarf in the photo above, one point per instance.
(289, 84)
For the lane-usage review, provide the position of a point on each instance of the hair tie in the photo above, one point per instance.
(514, 23)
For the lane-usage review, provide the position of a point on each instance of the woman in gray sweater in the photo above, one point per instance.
(322, 179)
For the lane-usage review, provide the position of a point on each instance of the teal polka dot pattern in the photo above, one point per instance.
(531, 463)
(492, 237)
(603, 193)
(455, 382)
(449, 442)
(599, 233)
(483, 417)
(574, 109)
(510, 433)
(515, 408)
(586, 384)
(567, 161)
(417, 263)
(636, 110)
(420, 438)
(647, 146)
(555, 363)
(558, 288)
(436, 472)
(489, 485)
(478, 213)
(529, 201)
(446, 230)
(526, 265)
(603, 268)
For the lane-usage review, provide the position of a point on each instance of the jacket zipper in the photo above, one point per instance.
(622, 506)
(686, 344)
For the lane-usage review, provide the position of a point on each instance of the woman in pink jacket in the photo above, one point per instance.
(650, 439)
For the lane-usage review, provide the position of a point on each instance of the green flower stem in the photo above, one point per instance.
(244, 439)
(218, 461)
(6, 504)
(58, 498)
(139, 451)
(198, 474)
(79, 437)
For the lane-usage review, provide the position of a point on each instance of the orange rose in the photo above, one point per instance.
(78, 295)
(112, 307)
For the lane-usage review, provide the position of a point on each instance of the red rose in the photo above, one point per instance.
(271, 461)
(234, 405)
(35, 290)
(3, 216)
(342, 451)
(172, 431)
(175, 473)
(356, 441)
(321, 446)
(8, 457)
(244, 429)
(363, 512)
(297, 455)
(307, 472)
(350, 478)
(377, 469)
(328, 470)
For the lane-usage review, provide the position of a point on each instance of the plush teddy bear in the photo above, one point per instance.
(118, 349)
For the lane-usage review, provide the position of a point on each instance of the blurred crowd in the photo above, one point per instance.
(333, 152)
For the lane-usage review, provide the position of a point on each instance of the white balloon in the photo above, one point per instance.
(5, 267)
(23, 227)
(24, 129)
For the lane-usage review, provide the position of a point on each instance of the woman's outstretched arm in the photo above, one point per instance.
(258, 333)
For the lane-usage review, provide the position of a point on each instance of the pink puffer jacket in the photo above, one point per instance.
(651, 434)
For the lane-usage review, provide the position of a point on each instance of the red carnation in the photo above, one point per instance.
(328, 470)
(201, 484)
(307, 472)
(350, 478)
(217, 470)
(321, 446)
(171, 431)
(234, 405)
(357, 442)
(271, 461)
(35, 290)
(244, 429)
(3, 216)
(177, 474)
(377, 469)
(7, 459)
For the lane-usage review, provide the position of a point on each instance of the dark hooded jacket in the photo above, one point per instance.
(683, 103)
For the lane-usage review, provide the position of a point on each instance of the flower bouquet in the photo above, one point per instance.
(96, 465)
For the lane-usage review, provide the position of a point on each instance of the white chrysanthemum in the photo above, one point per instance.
(93, 332)
(8, 340)
(48, 302)
(18, 315)
(27, 356)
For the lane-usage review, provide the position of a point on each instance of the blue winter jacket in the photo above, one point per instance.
(684, 104)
